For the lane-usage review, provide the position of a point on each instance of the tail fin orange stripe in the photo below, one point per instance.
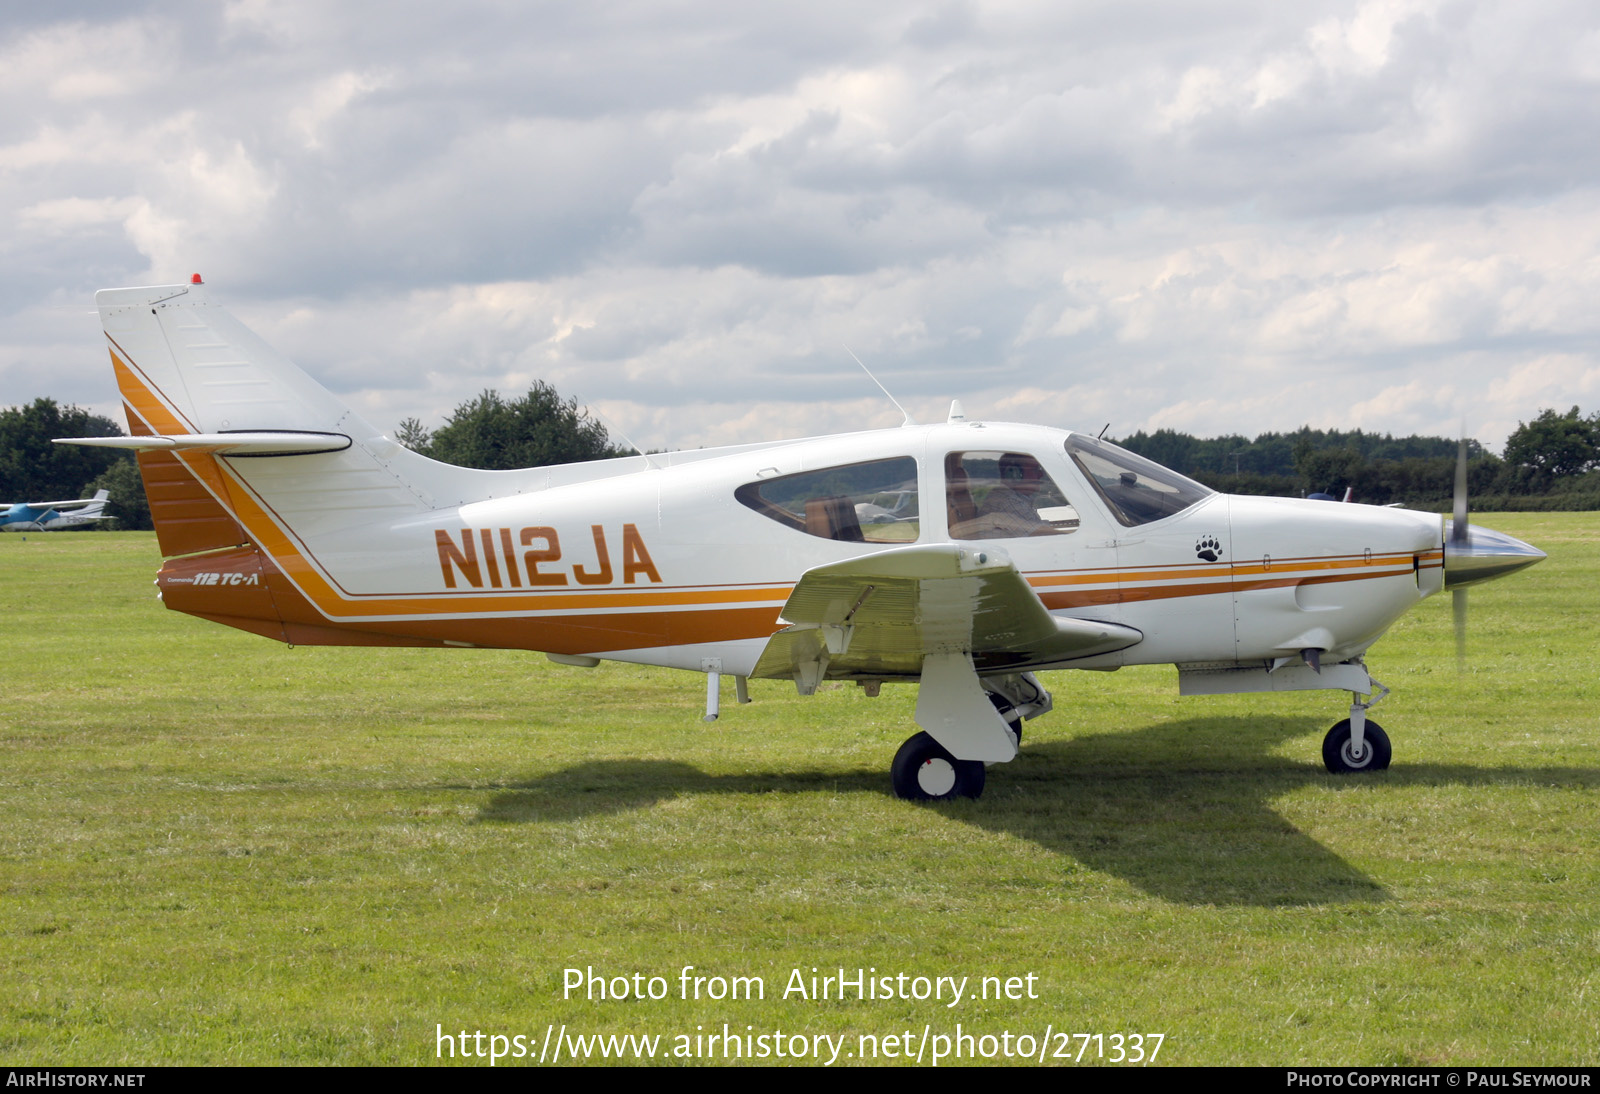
(143, 399)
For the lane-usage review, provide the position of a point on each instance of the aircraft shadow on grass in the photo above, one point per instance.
(1181, 810)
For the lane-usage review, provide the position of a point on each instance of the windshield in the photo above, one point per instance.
(1136, 490)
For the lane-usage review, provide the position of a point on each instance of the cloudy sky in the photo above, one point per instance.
(1215, 217)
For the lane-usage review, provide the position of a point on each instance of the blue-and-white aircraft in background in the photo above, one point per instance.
(52, 516)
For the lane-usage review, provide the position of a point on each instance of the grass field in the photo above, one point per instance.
(220, 850)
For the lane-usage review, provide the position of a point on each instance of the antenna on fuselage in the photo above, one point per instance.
(611, 427)
(1100, 436)
(908, 419)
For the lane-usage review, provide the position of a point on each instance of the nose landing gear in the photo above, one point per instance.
(1355, 744)
(1342, 756)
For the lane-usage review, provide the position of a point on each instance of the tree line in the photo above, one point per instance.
(34, 469)
(1552, 462)
(1549, 463)
(489, 431)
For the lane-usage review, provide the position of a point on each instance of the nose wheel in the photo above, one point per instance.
(923, 770)
(1342, 755)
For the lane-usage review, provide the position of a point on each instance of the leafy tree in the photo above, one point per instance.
(414, 435)
(1330, 470)
(34, 469)
(1281, 454)
(495, 433)
(1382, 468)
(1556, 445)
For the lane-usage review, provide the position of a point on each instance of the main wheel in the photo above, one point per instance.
(1339, 759)
(924, 771)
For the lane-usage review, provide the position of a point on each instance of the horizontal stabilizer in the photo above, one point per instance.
(255, 442)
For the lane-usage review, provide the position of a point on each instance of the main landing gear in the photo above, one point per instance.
(979, 719)
(924, 770)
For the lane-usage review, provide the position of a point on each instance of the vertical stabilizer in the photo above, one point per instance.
(185, 366)
(280, 510)
(209, 372)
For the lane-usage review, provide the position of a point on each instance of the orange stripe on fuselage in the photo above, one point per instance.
(294, 559)
(335, 602)
(1118, 585)
(603, 618)
(1213, 578)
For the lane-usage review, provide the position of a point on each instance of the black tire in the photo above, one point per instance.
(924, 771)
(1336, 750)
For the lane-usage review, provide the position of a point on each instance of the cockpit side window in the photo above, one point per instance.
(1136, 490)
(872, 502)
(1003, 495)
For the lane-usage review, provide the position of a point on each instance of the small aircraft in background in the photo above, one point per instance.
(51, 516)
(963, 557)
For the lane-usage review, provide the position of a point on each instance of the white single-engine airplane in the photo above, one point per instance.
(53, 516)
(963, 557)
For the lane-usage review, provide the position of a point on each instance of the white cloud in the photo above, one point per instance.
(1237, 219)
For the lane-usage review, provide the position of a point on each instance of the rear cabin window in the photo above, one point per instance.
(1004, 495)
(874, 502)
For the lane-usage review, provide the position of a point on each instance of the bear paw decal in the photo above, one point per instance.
(1208, 548)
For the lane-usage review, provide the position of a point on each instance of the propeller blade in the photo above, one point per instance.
(1474, 554)
(1460, 538)
(1459, 533)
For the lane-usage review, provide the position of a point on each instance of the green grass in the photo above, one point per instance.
(220, 850)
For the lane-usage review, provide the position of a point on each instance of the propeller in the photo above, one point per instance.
(1460, 537)
(1473, 555)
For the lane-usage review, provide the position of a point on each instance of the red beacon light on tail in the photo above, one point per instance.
(194, 279)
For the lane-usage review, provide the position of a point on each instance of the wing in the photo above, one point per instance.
(881, 615)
